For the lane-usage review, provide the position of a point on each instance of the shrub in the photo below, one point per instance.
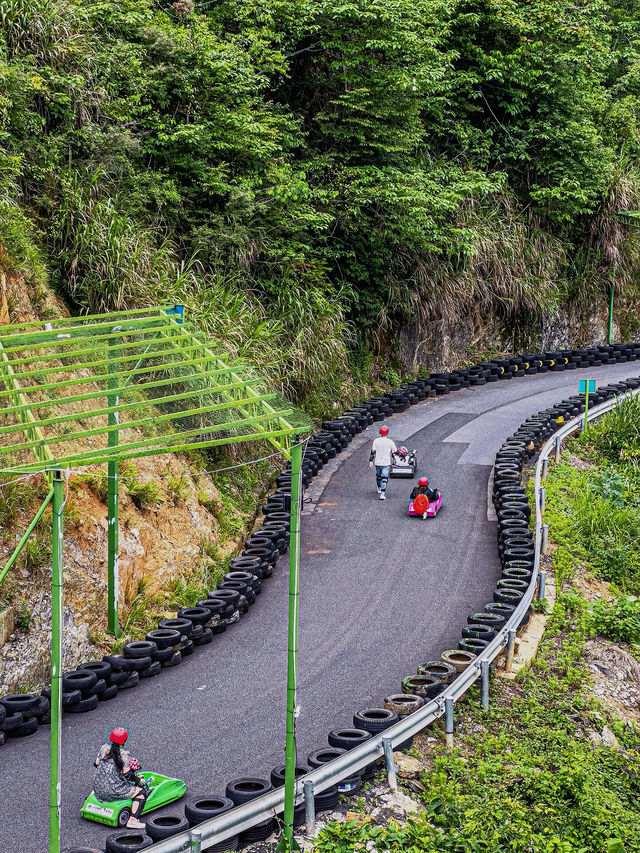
(617, 620)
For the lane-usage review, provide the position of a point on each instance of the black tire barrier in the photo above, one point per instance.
(22, 702)
(425, 685)
(110, 692)
(26, 728)
(139, 649)
(119, 663)
(244, 790)
(78, 680)
(127, 842)
(446, 672)
(196, 615)
(323, 756)
(12, 722)
(347, 738)
(374, 720)
(277, 773)
(132, 681)
(493, 620)
(478, 631)
(198, 809)
(159, 827)
(164, 638)
(152, 670)
(181, 625)
(475, 646)
(101, 668)
(402, 703)
(90, 703)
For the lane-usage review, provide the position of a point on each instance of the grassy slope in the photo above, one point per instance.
(532, 773)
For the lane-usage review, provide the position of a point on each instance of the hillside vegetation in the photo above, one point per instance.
(307, 175)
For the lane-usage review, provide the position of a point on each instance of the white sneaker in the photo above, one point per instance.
(134, 823)
(383, 497)
(379, 490)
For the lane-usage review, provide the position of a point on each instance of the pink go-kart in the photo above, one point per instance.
(422, 507)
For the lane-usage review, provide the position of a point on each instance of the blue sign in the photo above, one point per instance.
(177, 311)
(582, 386)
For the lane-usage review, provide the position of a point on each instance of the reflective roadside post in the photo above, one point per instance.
(586, 387)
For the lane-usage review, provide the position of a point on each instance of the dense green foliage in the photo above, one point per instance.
(296, 164)
(531, 774)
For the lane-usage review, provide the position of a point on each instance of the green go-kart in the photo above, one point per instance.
(162, 791)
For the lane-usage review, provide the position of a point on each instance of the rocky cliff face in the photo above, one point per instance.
(444, 346)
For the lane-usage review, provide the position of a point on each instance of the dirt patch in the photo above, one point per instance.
(616, 678)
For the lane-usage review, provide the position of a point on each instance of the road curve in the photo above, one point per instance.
(380, 593)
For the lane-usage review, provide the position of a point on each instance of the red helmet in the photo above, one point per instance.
(119, 736)
(384, 430)
(403, 451)
(423, 481)
(134, 764)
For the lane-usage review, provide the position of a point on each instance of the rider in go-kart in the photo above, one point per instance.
(115, 777)
(423, 489)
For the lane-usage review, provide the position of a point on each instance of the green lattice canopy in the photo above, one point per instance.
(118, 386)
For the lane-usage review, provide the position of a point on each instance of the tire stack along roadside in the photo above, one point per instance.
(174, 639)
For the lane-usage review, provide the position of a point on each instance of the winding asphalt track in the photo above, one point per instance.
(380, 593)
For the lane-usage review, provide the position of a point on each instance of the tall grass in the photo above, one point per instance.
(295, 334)
(617, 437)
(510, 270)
(109, 261)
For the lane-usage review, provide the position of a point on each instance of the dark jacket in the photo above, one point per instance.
(432, 494)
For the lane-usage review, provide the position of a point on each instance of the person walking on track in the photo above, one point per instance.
(382, 453)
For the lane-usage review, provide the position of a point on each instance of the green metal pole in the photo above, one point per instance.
(55, 765)
(26, 536)
(112, 509)
(613, 284)
(288, 840)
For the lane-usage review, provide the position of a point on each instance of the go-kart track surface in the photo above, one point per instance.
(380, 593)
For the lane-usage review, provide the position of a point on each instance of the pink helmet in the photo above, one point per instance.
(403, 451)
(384, 430)
(134, 764)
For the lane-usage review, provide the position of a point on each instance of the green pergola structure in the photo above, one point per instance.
(103, 389)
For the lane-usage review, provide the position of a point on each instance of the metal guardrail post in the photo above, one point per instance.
(558, 445)
(390, 763)
(544, 539)
(484, 670)
(543, 495)
(309, 808)
(545, 465)
(195, 841)
(448, 723)
(542, 580)
(511, 646)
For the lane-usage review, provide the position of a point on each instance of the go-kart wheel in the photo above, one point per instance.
(123, 817)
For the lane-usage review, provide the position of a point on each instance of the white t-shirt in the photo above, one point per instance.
(383, 448)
